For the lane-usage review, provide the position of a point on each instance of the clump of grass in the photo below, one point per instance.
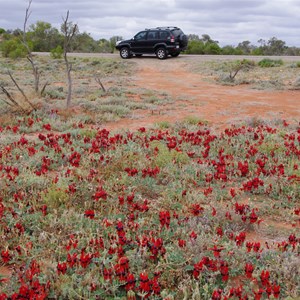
(270, 63)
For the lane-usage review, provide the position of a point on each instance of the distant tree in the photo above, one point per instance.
(245, 47)
(104, 46)
(113, 40)
(195, 47)
(292, 51)
(275, 46)
(231, 50)
(83, 42)
(44, 37)
(212, 48)
(2, 31)
(207, 39)
(193, 37)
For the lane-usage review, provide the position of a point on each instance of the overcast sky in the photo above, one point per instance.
(227, 21)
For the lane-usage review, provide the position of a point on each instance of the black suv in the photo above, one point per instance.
(162, 41)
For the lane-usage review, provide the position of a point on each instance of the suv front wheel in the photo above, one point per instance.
(125, 53)
(161, 53)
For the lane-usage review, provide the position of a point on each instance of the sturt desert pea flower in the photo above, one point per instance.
(181, 243)
(89, 214)
(224, 270)
(196, 209)
(253, 217)
(240, 238)
(164, 218)
(198, 267)
(6, 257)
(276, 290)
(249, 268)
(130, 282)
(145, 284)
(85, 259)
(62, 268)
(264, 277)
(72, 259)
(217, 250)
(258, 294)
(217, 294)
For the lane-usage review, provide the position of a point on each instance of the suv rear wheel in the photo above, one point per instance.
(125, 52)
(161, 53)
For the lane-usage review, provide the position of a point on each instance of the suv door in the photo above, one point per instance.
(152, 39)
(139, 44)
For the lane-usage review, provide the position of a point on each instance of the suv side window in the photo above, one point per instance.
(141, 35)
(152, 35)
(163, 35)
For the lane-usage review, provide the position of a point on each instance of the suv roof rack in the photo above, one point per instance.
(162, 28)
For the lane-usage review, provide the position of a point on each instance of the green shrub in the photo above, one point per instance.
(269, 63)
(13, 49)
(57, 52)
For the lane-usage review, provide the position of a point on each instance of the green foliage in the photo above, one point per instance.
(57, 52)
(44, 37)
(13, 48)
(55, 197)
(269, 63)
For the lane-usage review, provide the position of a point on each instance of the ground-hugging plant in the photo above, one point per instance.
(169, 213)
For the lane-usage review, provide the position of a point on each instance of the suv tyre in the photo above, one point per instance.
(125, 53)
(161, 53)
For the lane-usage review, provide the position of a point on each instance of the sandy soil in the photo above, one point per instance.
(195, 96)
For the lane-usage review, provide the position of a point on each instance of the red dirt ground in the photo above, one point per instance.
(193, 95)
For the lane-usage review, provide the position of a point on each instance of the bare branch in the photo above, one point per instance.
(44, 87)
(20, 90)
(35, 69)
(69, 31)
(10, 98)
(98, 80)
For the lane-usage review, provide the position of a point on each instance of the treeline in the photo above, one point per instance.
(206, 45)
(42, 37)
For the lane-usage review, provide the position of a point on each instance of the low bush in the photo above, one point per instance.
(269, 63)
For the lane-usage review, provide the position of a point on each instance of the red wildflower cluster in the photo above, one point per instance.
(164, 218)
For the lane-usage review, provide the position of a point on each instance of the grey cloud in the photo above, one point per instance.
(228, 21)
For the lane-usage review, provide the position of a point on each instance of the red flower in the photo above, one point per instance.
(196, 209)
(130, 282)
(253, 217)
(107, 274)
(6, 257)
(198, 267)
(144, 283)
(216, 295)
(89, 214)
(85, 259)
(239, 239)
(249, 268)
(181, 243)
(72, 259)
(62, 268)
(219, 231)
(164, 218)
(258, 294)
(47, 126)
(193, 235)
(217, 250)
(264, 277)
(276, 290)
